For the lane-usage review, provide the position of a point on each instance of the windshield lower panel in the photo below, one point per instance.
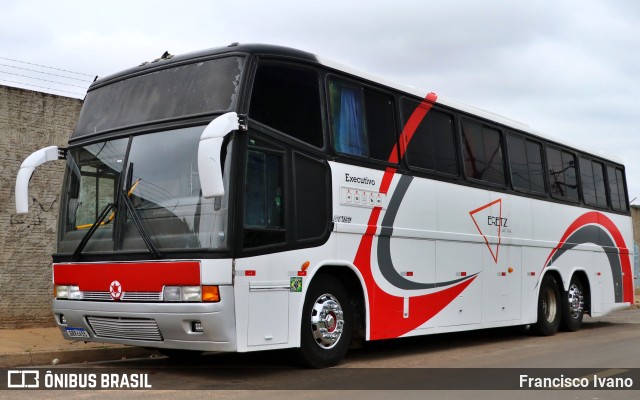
(158, 174)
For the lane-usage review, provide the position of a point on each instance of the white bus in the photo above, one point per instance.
(256, 197)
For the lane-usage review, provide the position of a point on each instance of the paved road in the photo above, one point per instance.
(607, 346)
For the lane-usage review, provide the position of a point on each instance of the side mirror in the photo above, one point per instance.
(209, 166)
(29, 165)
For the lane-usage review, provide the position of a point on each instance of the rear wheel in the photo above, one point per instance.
(573, 306)
(327, 323)
(549, 308)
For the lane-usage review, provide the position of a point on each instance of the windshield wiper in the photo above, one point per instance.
(134, 214)
(94, 227)
(136, 220)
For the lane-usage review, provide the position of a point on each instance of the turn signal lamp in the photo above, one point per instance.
(211, 294)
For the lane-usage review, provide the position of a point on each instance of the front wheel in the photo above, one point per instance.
(573, 306)
(327, 323)
(549, 308)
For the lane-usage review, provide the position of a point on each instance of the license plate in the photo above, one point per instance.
(77, 332)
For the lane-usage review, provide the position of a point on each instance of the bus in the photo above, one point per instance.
(257, 197)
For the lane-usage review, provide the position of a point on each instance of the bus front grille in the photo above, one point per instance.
(125, 328)
(126, 296)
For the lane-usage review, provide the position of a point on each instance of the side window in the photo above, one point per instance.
(592, 179)
(432, 146)
(287, 98)
(562, 174)
(588, 184)
(525, 159)
(264, 208)
(482, 153)
(94, 173)
(279, 180)
(98, 189)
(616, 188)
(362, 120)
(312, 197)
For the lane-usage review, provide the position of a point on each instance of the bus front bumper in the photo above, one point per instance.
(156, 325)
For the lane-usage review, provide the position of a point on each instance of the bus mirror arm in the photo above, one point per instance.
(209, 163)
(27, 167)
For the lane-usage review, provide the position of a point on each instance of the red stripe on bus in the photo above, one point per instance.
(597, 218)
(133, 277)
(386, 179)
(411, 126)
(405, 137)
(386, 317)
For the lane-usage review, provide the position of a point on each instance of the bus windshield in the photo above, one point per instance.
(201, 88)
(157, 174)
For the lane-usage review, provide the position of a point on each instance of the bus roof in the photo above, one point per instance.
(287, 52)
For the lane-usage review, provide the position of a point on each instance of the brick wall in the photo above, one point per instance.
(29, 121)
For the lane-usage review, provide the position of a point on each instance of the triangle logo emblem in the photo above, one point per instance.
(488, 221)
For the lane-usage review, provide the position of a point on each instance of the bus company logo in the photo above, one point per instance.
(490, 213)
(497, 221)
(116, 290)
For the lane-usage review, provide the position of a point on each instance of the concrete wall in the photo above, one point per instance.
(29, 121)
(635, 217)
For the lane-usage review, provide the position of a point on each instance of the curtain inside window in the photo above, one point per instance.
(348, 120)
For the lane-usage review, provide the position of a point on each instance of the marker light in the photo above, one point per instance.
(305, 265)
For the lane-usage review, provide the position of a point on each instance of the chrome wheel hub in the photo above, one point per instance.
(576, 301)
(327, 321)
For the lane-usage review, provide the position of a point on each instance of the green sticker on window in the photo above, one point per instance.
(296, 284)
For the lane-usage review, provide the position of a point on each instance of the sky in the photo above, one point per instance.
(570, 69)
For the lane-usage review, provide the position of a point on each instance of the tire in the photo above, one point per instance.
(327, 323)
(573, 306)
(549, 308)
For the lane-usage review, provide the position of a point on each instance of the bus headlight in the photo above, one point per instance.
(191, 293)
(172, 293)
(70, 292)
